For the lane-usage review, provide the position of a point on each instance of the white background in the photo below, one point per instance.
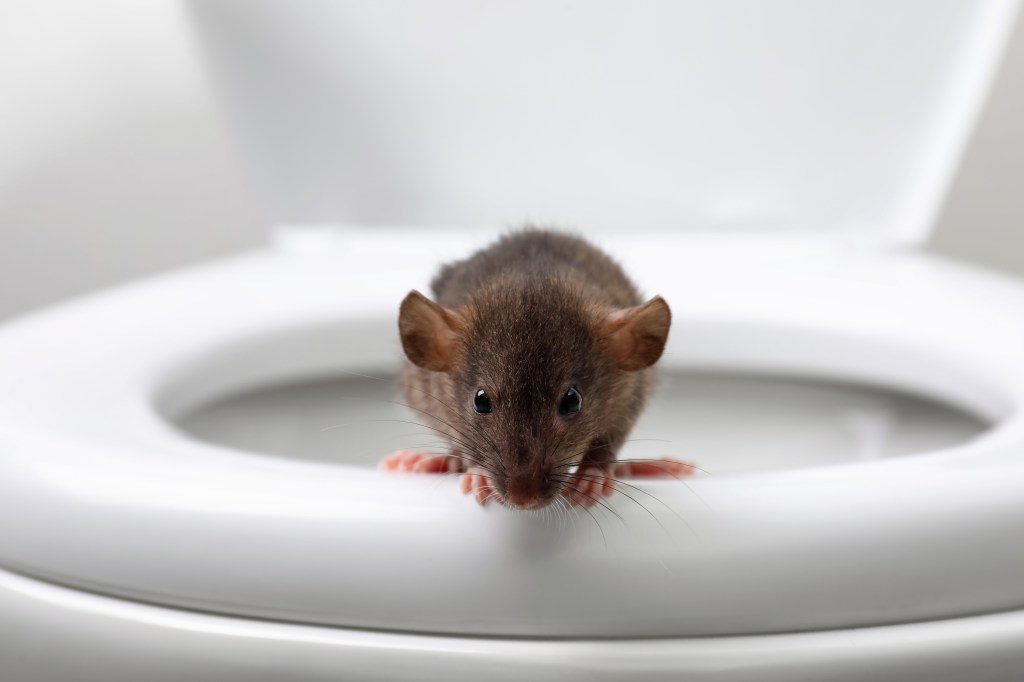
(114, 162)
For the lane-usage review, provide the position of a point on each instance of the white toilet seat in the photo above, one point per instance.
(109, 497)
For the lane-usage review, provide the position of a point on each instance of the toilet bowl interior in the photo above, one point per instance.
(742, 416)
(726, 422)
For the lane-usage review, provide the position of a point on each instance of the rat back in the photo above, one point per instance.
(537, 254)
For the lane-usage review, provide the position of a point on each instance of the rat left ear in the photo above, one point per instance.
(430, 332)
(634, 338)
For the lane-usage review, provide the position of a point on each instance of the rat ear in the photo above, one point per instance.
(635, 337)
(430, 333)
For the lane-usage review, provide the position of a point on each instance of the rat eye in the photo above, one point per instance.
(481, 402)
(571, 402)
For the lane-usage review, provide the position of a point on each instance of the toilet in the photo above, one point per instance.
(181, 500)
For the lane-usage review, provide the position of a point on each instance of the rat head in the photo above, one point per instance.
(534, 376)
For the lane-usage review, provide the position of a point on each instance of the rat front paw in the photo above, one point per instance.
(421, 462)
(587, 486)
(477, 483)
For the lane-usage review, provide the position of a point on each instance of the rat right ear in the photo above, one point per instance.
(430, 332)
(634, 338)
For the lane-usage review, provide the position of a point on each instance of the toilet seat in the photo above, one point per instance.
(109, 497)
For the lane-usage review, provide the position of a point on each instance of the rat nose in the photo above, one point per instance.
(525, 491)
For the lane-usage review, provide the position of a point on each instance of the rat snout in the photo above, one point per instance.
(526, 490)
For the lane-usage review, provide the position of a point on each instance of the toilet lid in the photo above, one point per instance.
(845, 118)
(98, 490)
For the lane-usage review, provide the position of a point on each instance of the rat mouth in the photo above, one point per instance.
(525, 506)
(520, 500)
(525, 490)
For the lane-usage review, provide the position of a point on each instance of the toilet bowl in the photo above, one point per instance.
(185, 479)
(119, 521)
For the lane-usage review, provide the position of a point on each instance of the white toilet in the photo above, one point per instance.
(174, 503)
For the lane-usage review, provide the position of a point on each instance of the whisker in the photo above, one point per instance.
(451, 426)
(641, 490)
(652, 515)
(640, 459)
(398, 382)
(636, 440)
(596, 499)
(427, 414)
(604, 538)
(453, 433)
(459, 441)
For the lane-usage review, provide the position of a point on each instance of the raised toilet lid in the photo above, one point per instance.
(99, 491)
(838, 118)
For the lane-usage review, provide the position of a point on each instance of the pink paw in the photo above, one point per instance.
(421, 462)
(587, 486)
(476, 482)
(654, 468)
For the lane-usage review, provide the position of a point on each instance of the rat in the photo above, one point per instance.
(533, 360)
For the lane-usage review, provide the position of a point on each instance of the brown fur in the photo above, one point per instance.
(525, 319)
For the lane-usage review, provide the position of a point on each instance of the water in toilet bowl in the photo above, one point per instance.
(728, 422)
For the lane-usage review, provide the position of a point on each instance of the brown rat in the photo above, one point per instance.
(534, 360)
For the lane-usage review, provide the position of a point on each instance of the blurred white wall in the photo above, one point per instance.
(114, 162)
